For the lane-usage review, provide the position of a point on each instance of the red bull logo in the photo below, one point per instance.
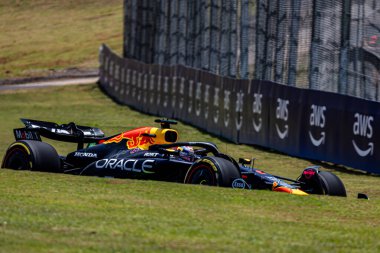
(140, 142)
(144, 137)
(135, 138)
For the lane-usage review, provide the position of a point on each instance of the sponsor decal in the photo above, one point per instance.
(134, 139)
(128, 80)
(317, 142)
(364, 152)
(190, 94)
(260, 172)
(257, 107)
(22, 134)
(239, 110)
(151, 88)
(363, 128)
(158, 93)
(198, 97)
(122, 79)
(151, 154)
(181, 93)
(134, 83)
(166, 91)
(135, 150)
(240, 184)
(132, 165)
(145, 88)
(174, 92)
(139, 86)
(317, 120)
(110, 71)
(116, 75)
(85, 154)
(139, 141)
(206, 100)
(226, 107)
(216, 105)
(282, 114)
(58, 131)
(273, 179)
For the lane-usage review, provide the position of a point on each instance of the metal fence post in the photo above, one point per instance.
(293, 47)
(315, 40)
(215, 36)
(344, 46)
(233, 39)
(244, 39)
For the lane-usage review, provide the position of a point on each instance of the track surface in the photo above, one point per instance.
(44, 84)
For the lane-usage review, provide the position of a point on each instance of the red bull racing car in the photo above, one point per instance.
(151, 153)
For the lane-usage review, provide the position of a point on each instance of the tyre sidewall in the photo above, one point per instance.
(224, 170)
(41, 156)
(331, 184)
(18, 156)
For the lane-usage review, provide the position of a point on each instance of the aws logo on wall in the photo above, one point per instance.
(317, 121)
(363, 130)
(257, 109)
(282, 115)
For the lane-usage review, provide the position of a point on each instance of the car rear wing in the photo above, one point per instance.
(70, 132)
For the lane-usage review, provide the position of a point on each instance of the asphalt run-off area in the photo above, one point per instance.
(50, 83)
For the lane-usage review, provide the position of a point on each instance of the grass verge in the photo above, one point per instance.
(44, 212)
(42, 36)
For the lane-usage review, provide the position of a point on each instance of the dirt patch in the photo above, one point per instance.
(3, 60)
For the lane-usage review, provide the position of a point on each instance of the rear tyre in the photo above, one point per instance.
(31, 155)
(214, 171)
(331, 184)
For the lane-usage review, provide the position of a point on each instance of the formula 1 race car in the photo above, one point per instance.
(152, 153)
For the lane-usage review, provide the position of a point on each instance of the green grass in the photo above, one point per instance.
(43, 212)
(40, 36)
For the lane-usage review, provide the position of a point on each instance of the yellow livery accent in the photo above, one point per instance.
(26, 148)
(22, 145)
(299, 192)
(211, 164)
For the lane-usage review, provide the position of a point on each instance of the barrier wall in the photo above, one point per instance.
(305, 123)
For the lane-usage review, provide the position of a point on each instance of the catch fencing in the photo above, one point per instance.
(323, 45)
(305, 123)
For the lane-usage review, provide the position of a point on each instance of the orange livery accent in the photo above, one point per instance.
(283, 189)
(277, 188)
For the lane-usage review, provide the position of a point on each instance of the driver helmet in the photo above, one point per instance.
(186, 153)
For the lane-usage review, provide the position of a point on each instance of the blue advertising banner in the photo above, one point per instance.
(300, 122)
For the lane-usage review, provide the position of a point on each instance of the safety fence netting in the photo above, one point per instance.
(300, 122)
(324, 45)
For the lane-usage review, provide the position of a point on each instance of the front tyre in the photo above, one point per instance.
(214, 171)
(331, 184)
(31, 155)
(314, 181)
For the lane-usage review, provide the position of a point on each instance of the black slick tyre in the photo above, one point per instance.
(214, 171)
(331, 184)
(31, 155)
